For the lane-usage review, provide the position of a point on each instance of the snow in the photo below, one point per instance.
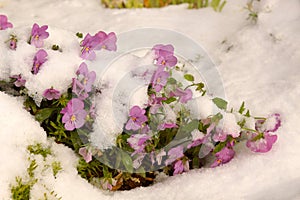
(257, 63)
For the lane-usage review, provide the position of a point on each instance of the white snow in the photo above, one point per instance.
(258, 64)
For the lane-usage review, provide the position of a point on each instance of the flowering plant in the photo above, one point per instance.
(162, 136)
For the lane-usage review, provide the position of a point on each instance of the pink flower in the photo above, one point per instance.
(39, 60)
(137, 118)
(107, 41)
(51, 94)
(168, 61)
(138, 142)
(155, 103)
(99, 41)
(164, 55)
(88, 77)
(223, 156)
(74, 114)
(166, 125)
(84, 82)
(108, 183)
(159, 79)
(88, 45)
(38, 34)
(4, 24)
(263, 140)
(220, 136)
(161, 50)
(19, 80)
(184, 95)
(197, 138)
(181, 166)
(78, 89)
(174, 154)
(86, 154)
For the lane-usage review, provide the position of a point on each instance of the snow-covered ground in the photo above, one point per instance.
(259, 64)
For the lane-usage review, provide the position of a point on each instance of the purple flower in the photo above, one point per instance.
(155, 103)
(181, 166)
(38, 34)
(168, 61)
(137, 118)
(159, 79)
(174, 154)
(166, 125)
(88, 77)
(51, 94)
(39, 59)
(161, 50)
(86, 154)
(88, 45)
(108, 183)
(164, 55)
(220, 135)
(138, 142)
(223, 156)
(74, 114)
(4, 24)
(184, 95)
(271, 124)
(261, 142)
(19, 80)
(197, 138)
(78, 89)
(107, 41)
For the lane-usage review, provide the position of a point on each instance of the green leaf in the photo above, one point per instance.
(219, 147)
(248, 114)
(170, 100)
(242, 108)
(216, 118)
(76, 141)
(141, 171)
(196, 163)
(55, 47)
(44, 114)
(189, 77)
(194, 124)
(79, 35)
(220, 103)
(127, 161)
(200, 86)
(222, 6)
(172, 81)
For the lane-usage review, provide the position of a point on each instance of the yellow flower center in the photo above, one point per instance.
(104, 47)
(163, 62)
(158, 80)
(134, 119)
(85, 81)
(219, 161)
(36, 37)
(87, 49)
(73, 118)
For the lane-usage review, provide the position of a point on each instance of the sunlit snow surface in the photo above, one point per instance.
(259, 64)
